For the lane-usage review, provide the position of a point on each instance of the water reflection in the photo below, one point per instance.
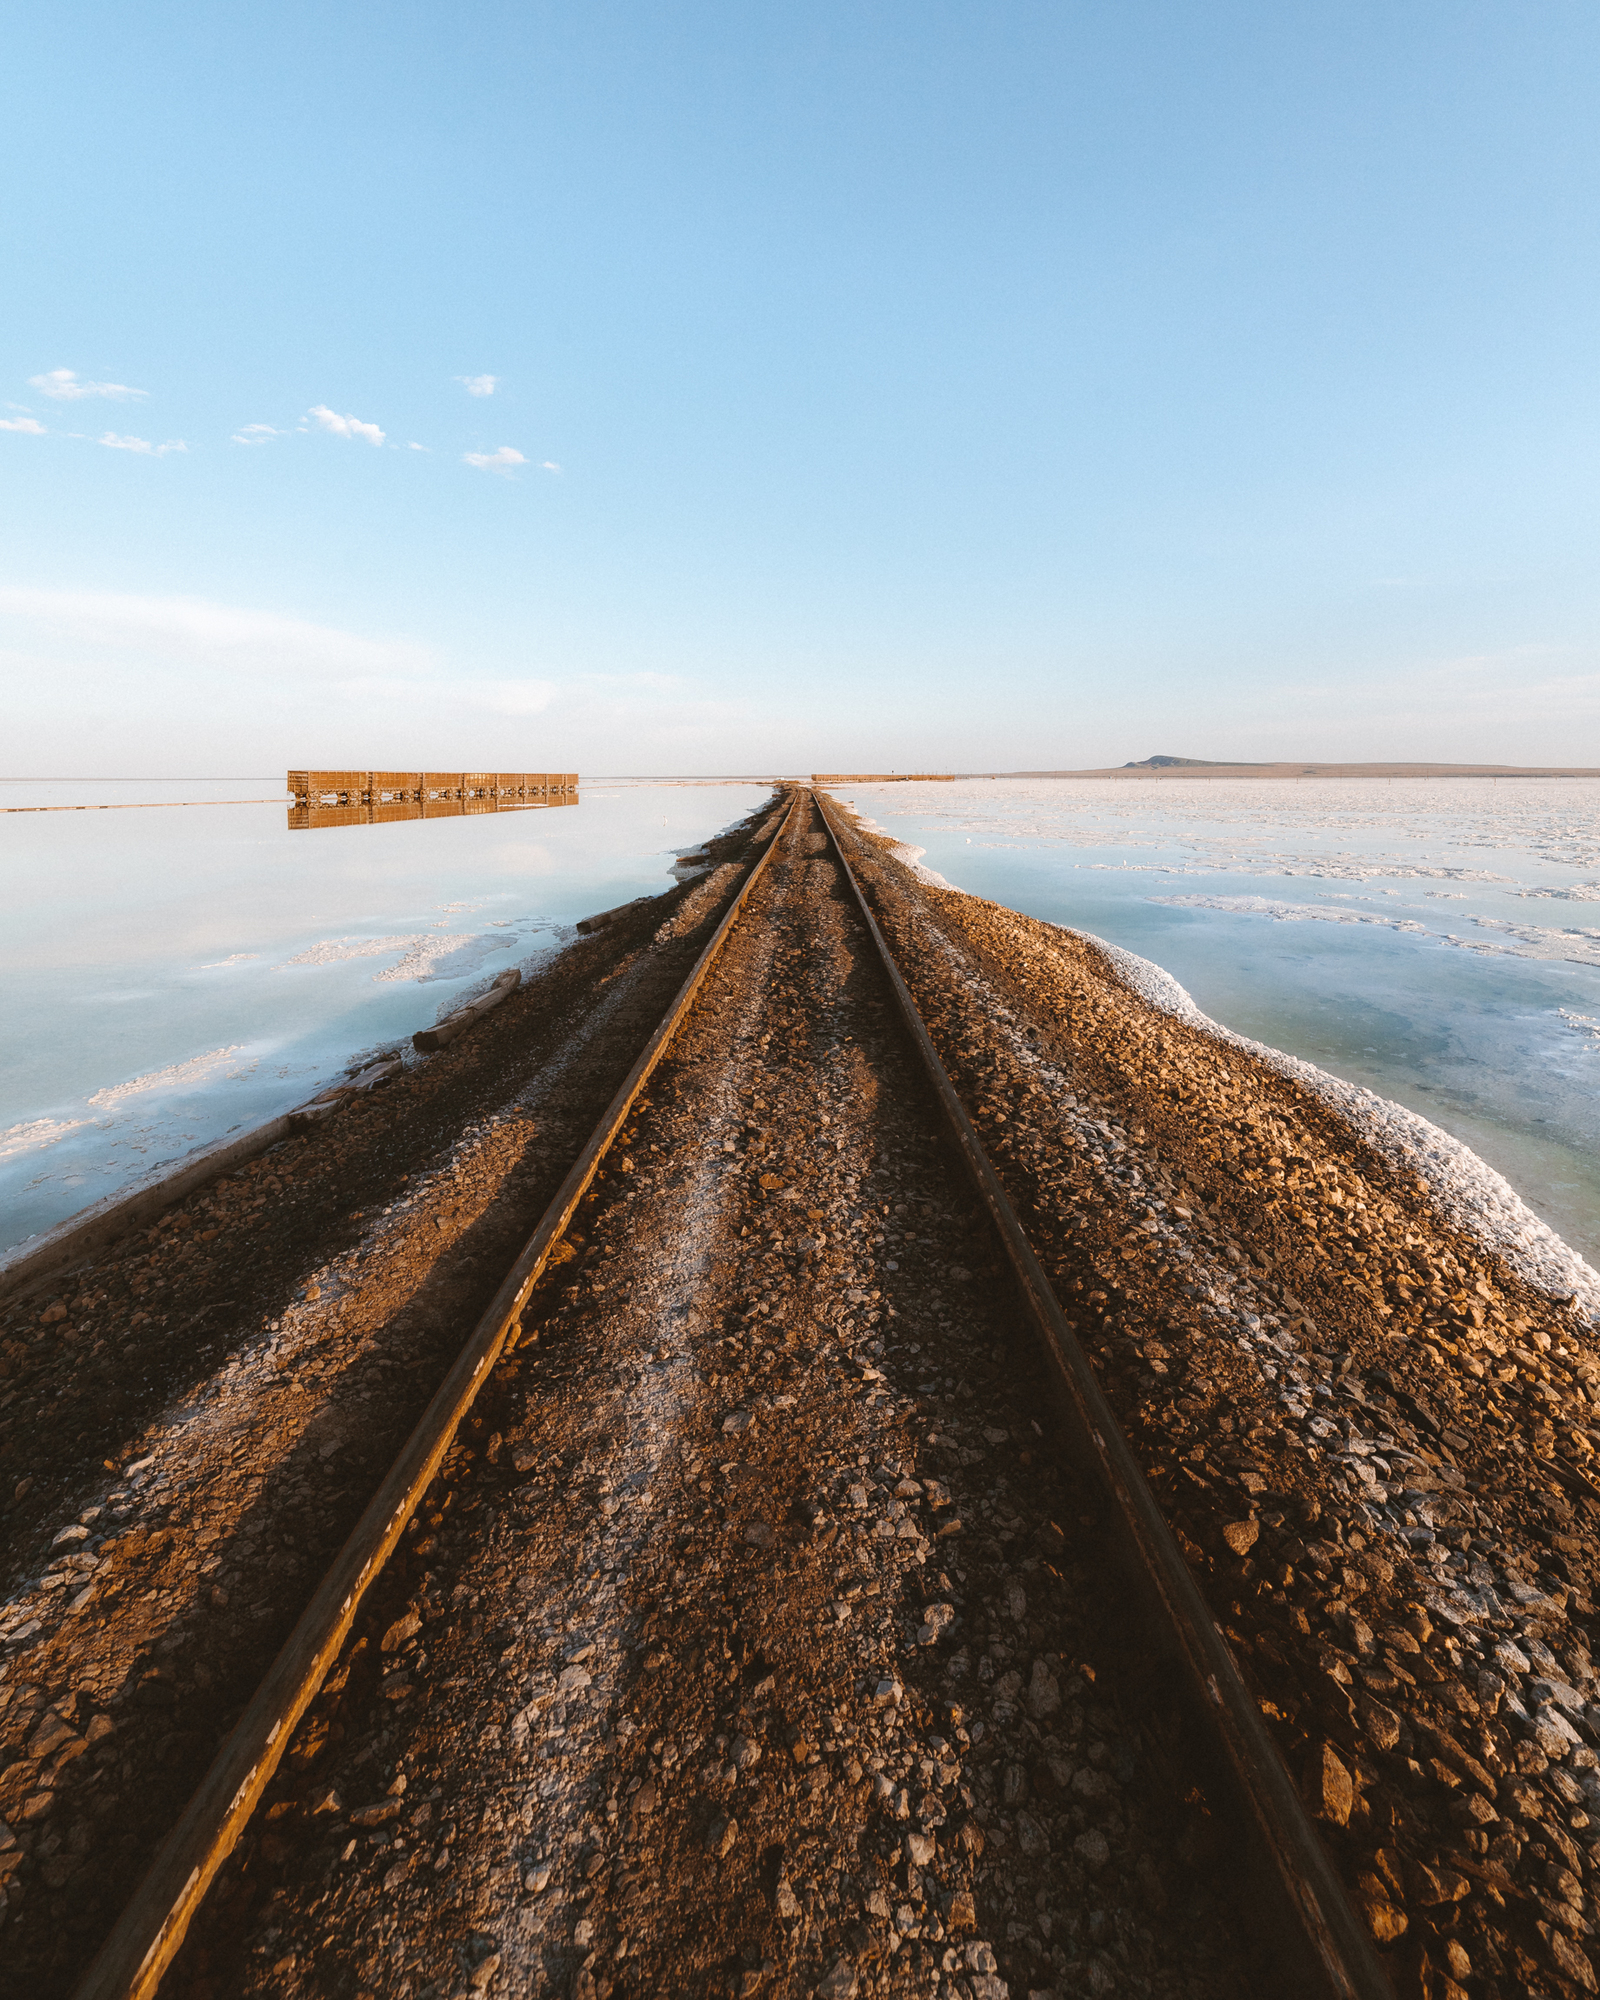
(163, 989)
(373, 798)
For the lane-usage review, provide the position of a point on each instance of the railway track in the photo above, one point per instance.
(1321, 1933)
(246, 1368)
(153, 1926)
(913, 1686)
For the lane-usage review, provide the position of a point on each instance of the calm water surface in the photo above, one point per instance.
(177, 972)
(1435, 940)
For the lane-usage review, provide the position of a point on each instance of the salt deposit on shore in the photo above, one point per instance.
(1395, 948)
(1467, 1191)
(904, 851)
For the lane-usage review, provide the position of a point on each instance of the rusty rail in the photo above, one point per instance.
(1318, 1931)
(150, 1929)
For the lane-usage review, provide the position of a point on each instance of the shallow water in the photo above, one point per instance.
(179, 971)
(1435, 940)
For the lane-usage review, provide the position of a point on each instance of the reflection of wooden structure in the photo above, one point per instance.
(372, 798)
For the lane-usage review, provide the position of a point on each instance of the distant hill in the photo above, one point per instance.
(1172, 764)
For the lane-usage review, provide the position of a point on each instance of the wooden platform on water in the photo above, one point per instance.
(373, 798)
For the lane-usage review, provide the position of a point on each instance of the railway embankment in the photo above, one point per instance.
(757, 1635)
(1374, 1431)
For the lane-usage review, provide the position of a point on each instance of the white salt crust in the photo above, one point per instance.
(1467, 1191)
(908, 856)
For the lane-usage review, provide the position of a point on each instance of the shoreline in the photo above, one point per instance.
(224, 1038)
(1469, 1193)
(1376, 1439)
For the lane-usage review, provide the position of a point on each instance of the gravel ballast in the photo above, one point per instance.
(756, 1637)
(754, 1640)
(1373, 1429)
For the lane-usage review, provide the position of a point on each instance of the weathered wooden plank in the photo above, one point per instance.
(355, 798)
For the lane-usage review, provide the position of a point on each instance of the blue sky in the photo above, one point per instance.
(891, 385)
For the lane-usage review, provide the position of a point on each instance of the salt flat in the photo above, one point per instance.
(1424, 937)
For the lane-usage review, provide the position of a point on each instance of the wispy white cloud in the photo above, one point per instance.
(30, 425)
(110, 670)
(345, 427)
(257, 434)
(495, 461)
(63, 385)
(549, 465)
(142, 445)
(414, 446)
(197, 630)
(479, 385)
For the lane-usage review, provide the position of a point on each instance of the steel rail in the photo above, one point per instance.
(1317, 1925)
(151, 1927)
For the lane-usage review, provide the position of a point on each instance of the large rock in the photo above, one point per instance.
(1332, 1790)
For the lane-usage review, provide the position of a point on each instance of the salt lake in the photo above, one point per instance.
(1437, 941)
(177, 971)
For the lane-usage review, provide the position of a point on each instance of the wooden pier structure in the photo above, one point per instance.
(373, 798)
